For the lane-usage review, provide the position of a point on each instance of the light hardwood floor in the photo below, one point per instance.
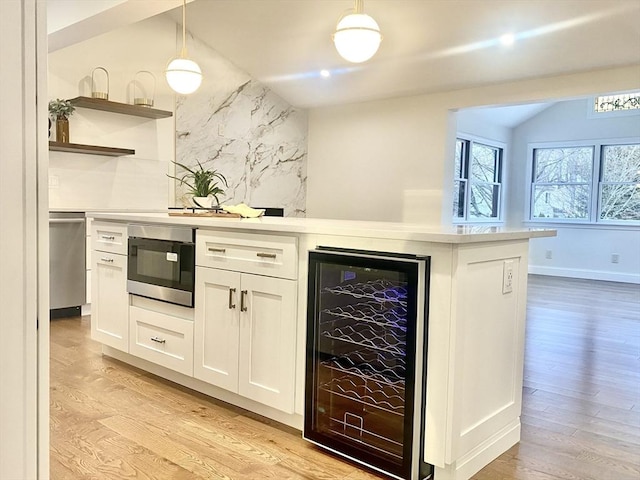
(581, 413)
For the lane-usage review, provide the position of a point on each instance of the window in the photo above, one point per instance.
(620, 184)
(588, 183)
(617, 103)
(477, 182)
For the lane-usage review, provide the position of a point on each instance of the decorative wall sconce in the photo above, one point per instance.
(94, 92)
(144, 99)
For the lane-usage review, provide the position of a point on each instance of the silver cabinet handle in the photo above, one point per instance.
(266, 255)
(231, 304)
(107, 260)
(216, 250)
(243, 294)
(108, 237)
(158, 340)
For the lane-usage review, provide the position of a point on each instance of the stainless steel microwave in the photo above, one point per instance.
(161, 263)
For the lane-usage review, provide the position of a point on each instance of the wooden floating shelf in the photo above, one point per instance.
(90, 149)
(117, 107)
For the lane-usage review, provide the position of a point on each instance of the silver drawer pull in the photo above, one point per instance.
(266, 255)
(231, 304)
(216, 250)
(107, 260)
(158, 340)
(243, 294)
(108, 237)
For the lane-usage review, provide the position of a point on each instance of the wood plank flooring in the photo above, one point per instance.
(581, 413)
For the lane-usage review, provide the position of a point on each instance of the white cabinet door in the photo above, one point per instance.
(245, 334)
(267, 340)
(110, 308)
(217, 310)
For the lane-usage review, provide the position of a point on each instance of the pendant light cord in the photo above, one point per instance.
(183, 53)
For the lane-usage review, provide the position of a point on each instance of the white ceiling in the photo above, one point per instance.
(428, 46)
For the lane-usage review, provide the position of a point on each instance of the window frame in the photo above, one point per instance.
(466, 167)
(595, 189)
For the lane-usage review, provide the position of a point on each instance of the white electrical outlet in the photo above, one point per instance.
(548, 254)
(507, 276)
(54, 181)
(615, 258)
(221, 130)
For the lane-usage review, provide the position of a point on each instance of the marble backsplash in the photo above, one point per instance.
(243, 130)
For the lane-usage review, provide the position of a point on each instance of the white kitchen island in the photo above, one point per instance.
(475, 332)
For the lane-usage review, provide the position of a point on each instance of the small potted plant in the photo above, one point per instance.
(202, 184)
(61, 110)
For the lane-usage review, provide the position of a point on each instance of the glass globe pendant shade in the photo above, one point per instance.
(357, 37)
(183, 75)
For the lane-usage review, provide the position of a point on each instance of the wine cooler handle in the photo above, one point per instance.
(243, 296)
(231, 304)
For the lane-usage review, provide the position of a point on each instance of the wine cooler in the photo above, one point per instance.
(366, 358)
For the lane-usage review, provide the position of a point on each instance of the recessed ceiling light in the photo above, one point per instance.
(325, 73)
(507, 39)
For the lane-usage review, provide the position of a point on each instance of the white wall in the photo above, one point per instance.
(85, 182)
(19, 254)
(392, 159)
(582, 251)
(240, 128)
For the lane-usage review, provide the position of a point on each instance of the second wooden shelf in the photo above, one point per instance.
(90, 149)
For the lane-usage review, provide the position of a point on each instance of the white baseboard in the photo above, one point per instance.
(586, 274)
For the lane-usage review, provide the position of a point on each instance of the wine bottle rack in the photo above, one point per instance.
(389, 398)
(381, 290)
(371, 364)
(360, 434)
(367, 335)
(372, 312)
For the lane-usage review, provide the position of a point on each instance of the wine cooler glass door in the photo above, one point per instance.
(361, 358)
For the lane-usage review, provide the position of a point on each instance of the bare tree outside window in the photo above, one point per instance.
(477, 182)
(562, 180)
(620, 185)
(564, 187)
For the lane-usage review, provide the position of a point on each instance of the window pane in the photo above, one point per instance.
(459, 173)
(484, 163)
(620, 202)
(561, 201)
(621, 163)
(458, 198)
(563, 165)
(484, 200)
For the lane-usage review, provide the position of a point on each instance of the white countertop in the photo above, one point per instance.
(351, 228)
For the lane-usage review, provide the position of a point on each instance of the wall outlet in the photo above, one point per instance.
(548, 254)
(507, 276)
(221, 130)
(615, 258)
(54, 181)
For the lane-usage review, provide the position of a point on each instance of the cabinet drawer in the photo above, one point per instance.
(109, 237)
(161, 339)
(271, 255)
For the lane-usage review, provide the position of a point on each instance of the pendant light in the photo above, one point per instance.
(183, 75)
(357, 36)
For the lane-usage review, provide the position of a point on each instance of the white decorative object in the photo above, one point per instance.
(357, 37)
(183, 75)
(202, 202)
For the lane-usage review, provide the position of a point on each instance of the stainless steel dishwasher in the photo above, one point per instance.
(67, 270)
